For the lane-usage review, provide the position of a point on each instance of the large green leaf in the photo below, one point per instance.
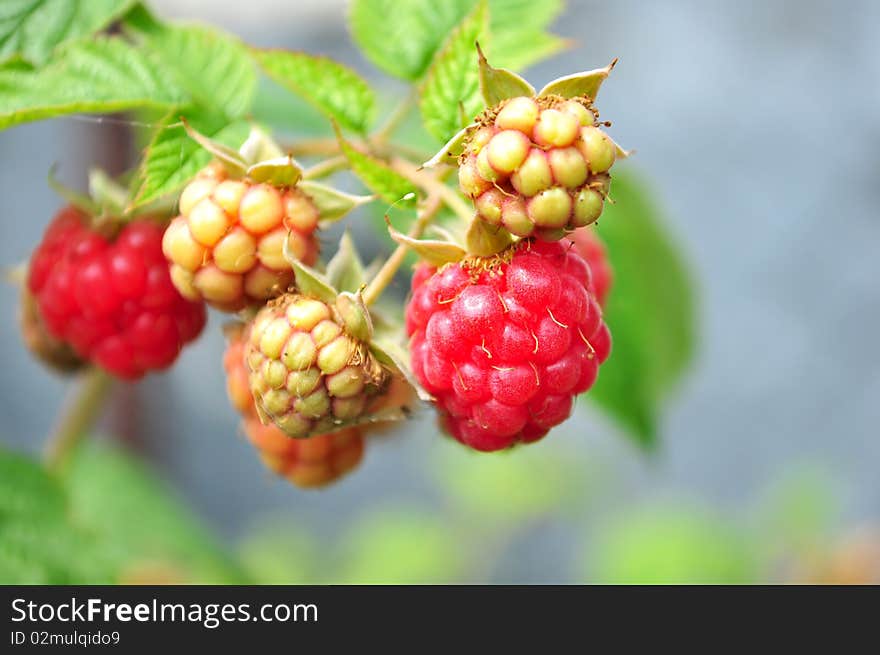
(377, 176)
(332, 88)
(102, 75)
(650, 310)
(141, 523)
(172, 158)
(402, 36)
(34, 28)
(212, 66)
(451, 93)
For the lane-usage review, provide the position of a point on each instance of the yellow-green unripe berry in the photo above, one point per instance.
(488, 206)
(534, 175)
(576, 109)
(556, 129)
(550, 208)
(515, 218)
(568, 166)
(588, 205)
(518, 114)
(507, 151)
(470, 181)
(597, 149)
(484, 167)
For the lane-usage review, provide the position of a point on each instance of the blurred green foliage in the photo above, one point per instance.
(671, 545)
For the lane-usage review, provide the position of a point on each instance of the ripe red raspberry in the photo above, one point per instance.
(226, 247)
(312, 462)
(506, 343)
(591, 248)
(112, 301)
(307, 373)
(538, 166)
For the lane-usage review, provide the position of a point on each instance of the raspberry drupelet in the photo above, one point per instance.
(111, 300)
(591, 248)
(505, 343)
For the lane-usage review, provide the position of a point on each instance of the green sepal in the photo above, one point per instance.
(497, 84)
(308, 281)
(486, 240)
(331, 203)
(79, 200)
(345, 271)
(232, 161)
(259, 147)
(391, 354)
(354, 313)
(433, 251)
(107, 193)
(578, 84)
(279, 172)
(450, 152)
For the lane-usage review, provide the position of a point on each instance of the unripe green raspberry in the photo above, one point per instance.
(307, 374)
(537, 166)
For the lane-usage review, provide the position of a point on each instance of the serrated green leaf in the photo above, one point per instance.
(522, 48)
(102, 75)
(377, 176)
(139, 521)
(402, 36)
(451, 92)
(34, 28)
(212, 66)
(650, 311)
(173, 158)
(332, 88)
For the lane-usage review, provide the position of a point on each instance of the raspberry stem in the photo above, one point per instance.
(325, 168)
(78, 418)
(389, 268)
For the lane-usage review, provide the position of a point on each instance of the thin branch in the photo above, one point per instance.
(79, 417)
(385, 274)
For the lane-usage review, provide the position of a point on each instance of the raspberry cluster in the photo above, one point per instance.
(307, 374)
(227, 244)
(312, 462)
(538, 166)
(111, 301)
(505, 343)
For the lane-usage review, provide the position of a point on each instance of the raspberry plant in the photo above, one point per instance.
(230, 203)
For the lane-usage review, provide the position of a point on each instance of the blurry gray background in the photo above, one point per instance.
(757, 124)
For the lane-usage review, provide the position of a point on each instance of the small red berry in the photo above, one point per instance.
(505, 343)
(591, 248)
(111, 301)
